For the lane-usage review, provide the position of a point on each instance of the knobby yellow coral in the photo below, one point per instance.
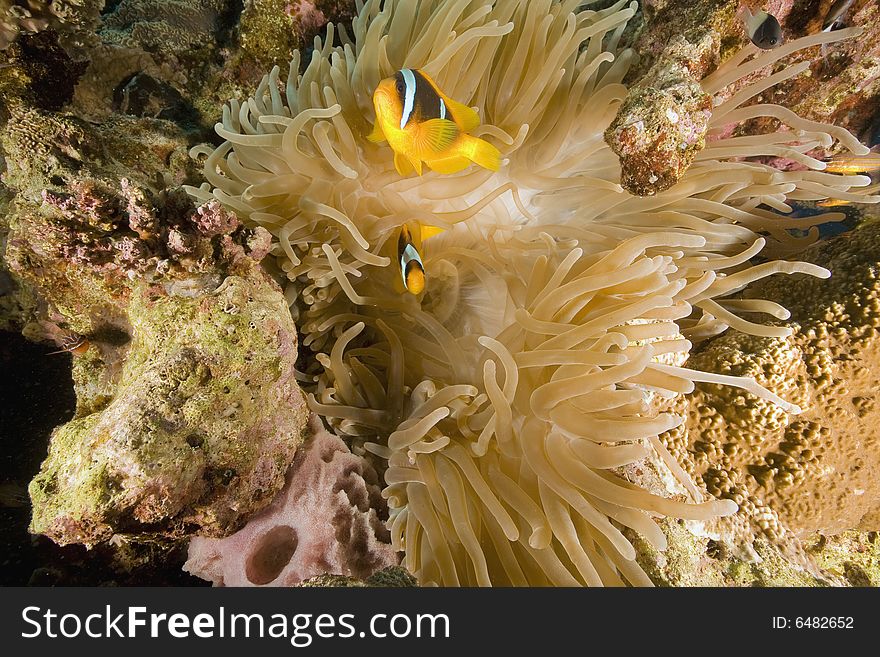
(558, 306)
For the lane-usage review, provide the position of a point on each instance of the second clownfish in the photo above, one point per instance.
(409, 256)
(422, 124)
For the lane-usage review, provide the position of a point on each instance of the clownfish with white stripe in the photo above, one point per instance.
(422, 124)
(409, 256)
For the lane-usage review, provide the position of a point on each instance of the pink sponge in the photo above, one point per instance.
(324, 520)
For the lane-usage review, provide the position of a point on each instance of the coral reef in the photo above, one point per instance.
(852, 556)
(74, 20)
(45, 70)
(166, 26)
(813, 472)
(849, 559)
(324, 521)
(517, 398)
(188, 412)
(562, 301)
(842, 84)
(835, 82)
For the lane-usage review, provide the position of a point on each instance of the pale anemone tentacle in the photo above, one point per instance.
(557, 306)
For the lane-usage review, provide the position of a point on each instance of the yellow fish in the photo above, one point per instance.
(422, 124)
(409, 256)
(849, 165)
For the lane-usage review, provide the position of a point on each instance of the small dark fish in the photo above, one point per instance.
(762, 29)
(13, 495)
(833, 19)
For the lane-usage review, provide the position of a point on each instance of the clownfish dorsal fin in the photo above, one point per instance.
(433, 137)
(465, 117)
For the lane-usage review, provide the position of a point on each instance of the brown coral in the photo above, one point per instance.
(818, 471)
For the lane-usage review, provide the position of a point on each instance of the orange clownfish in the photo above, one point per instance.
(422, 124)
(409, 256)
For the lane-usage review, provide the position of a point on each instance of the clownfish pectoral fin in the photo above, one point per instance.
(481, 152)
(377, 136)
(465, 117)
(432, 138)
(448, 165)
(402, 164)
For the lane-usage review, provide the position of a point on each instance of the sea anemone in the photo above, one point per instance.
(559, 308)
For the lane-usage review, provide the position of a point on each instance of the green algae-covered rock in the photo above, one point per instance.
(188, 411)
(391, 577)
(205, 419)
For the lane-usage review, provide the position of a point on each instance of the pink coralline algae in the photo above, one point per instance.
(327, 519)
(213, 219)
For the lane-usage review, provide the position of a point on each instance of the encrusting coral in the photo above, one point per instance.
(271, 29)
(559, 307)
(391, 577)
(817, 472)
(323, 521)
(172, 26)
(663, 120)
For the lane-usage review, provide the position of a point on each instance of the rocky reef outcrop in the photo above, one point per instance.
(75, 20)
(663, 120)
(188, 411)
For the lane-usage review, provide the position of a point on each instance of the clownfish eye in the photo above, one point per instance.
(400, 86)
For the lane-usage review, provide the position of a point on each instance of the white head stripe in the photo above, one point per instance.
(442, 109)
(409, 254)
(409, 98)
